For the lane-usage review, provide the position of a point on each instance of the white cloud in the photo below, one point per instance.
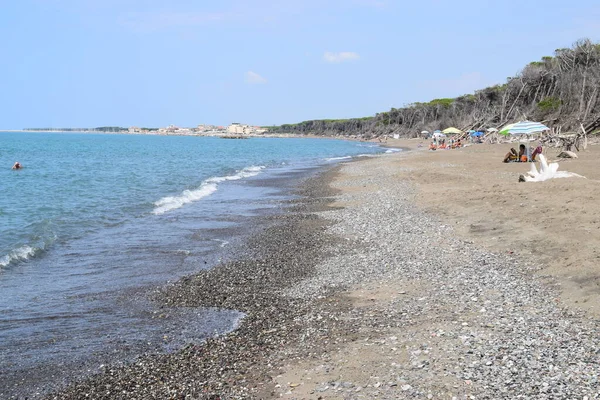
(252, 78)
(340, 57)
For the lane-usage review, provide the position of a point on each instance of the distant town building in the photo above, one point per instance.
(241, 129)
(236, 128)
(205, 128)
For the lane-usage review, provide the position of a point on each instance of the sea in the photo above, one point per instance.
(92, 223)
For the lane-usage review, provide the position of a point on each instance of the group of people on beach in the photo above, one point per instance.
(454, 144)
(522, 155)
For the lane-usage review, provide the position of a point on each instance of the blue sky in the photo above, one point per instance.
(87, 63)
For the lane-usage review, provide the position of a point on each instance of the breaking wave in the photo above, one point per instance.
(338, 158)
(207, 188)
(21, 254)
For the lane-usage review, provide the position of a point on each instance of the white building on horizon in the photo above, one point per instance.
(238, 129)
(242, 129)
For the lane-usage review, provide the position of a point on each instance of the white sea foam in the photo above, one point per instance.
(338, 158)
(172, 202)
(21, 254)
(244, 173)
(223, 242)
(392, 150)
(207, 188)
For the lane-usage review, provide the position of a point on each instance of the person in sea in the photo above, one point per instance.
(513, 156)
(17, 165)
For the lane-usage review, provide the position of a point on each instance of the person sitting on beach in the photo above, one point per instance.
(513, 156)
(17, 165)
(432, 146)
(536, 151)
(523, 153)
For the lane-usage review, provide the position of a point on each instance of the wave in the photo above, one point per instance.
(338, 158)
(21, 254)
(393, 150)
(223, 242)
(207, 188)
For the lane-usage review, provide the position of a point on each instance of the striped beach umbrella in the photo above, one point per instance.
(523, 128)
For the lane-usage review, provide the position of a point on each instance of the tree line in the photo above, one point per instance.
(560, 90)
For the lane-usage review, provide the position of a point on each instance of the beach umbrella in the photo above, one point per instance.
(506, 129)
(492, 130)
(438, 134)
(452, 130)
(424, 132)
(477, 134)
(523, 128)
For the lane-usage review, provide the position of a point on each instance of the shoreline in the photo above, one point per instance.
(364, 290)
(286, 251)
(121, 349)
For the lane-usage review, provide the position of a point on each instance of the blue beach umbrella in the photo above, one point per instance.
(477, 134)
(523, 128)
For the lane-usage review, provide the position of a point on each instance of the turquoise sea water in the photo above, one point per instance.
(73, 184)
(91, 217)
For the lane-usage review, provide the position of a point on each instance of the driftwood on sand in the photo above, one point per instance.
(567, 154)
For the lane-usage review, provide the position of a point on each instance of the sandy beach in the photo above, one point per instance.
(553, 223)
(408, 275)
